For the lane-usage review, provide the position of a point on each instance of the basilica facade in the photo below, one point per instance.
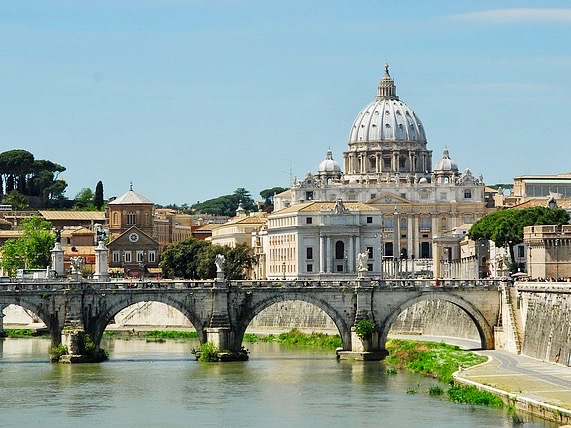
(388, 201)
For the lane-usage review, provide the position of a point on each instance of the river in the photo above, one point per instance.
(150, 384)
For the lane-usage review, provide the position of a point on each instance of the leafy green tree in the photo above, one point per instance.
(268, 195)
(181, 259)
(17, 200)
(227, 205)
(98, 198)
(505, 227)
(84, 200)
(33, 249)
(30, 177)
(194, 259)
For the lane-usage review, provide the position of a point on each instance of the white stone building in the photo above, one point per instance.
(388, 171)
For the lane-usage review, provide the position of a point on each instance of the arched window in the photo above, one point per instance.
(131, 218)
(339, 250)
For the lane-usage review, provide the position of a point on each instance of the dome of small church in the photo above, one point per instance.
(387, 118)
(328, 165)
(446, 164)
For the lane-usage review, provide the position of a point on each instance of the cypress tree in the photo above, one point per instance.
(98, 198)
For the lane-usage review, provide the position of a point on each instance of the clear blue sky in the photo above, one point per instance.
(190, 100)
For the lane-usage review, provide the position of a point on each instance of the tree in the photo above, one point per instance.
(98, 198)
(84, 200)
(228, 204)
(194, 259)
(181, 259)
(33, 249)
(505, 227)
(268, 195)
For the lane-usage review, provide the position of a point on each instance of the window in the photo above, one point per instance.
(308, 220)
(370, 267)
(309, 196)
(389, 223)
(309, 268)
(339, 268)
(520, 253)
(309, 253)
(116, 256)
(425, 223)
(425, 250)
(386, 162)
(115, 218)
(339, 250)
(131, 218)
(369, 220)
(370, 252)
(140, 256)
(127, 256)
(373, 195)
(402, 163)
(468, 194)
(152, 256)
(388, 249)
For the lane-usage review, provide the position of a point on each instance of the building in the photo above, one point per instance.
(133, 251)
(238, 230)
(387, 165)
(549, 251)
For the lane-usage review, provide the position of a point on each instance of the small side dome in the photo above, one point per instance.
(446, 164)
(328, 166)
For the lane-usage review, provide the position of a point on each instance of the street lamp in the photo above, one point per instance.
(557, 242)
(284, 270)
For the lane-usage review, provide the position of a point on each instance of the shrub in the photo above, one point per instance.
(364, 329)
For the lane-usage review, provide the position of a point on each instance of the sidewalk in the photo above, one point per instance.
(530, 385)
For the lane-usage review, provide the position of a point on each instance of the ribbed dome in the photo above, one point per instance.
(387, 118)
(446, 164)
(328, 165)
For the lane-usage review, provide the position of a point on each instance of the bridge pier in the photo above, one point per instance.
(365, 348)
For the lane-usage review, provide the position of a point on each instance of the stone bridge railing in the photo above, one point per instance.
(64, 284)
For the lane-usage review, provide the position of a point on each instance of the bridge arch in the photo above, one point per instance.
(41, 311)
(485, 330)
(102, 320)
(343, 323)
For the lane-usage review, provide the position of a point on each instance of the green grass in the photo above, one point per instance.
(472, 395)
(24, 332)
(297, 338)
(153, 334)
(438, 360)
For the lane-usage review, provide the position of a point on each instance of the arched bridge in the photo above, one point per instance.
(221, 310)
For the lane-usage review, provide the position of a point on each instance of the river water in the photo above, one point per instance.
(150, 384)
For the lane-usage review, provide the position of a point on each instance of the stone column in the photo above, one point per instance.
(321, 254)
(101, 273)
(351, 256)
(409, 235)
(57, 259)
(328, 254)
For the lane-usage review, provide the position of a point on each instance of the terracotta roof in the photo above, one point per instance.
(73, 215)
(207, 227)
(76, 232)
(11, 234)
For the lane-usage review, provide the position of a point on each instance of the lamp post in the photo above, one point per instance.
(284, 270)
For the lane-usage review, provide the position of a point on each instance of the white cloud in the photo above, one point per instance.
(518, 15)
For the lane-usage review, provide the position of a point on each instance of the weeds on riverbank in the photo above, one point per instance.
(296, 338)
(24, 332)
(438, 360)
(152, 334)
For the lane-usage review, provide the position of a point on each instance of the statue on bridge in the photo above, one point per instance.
(362, 263)
(220, 261)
